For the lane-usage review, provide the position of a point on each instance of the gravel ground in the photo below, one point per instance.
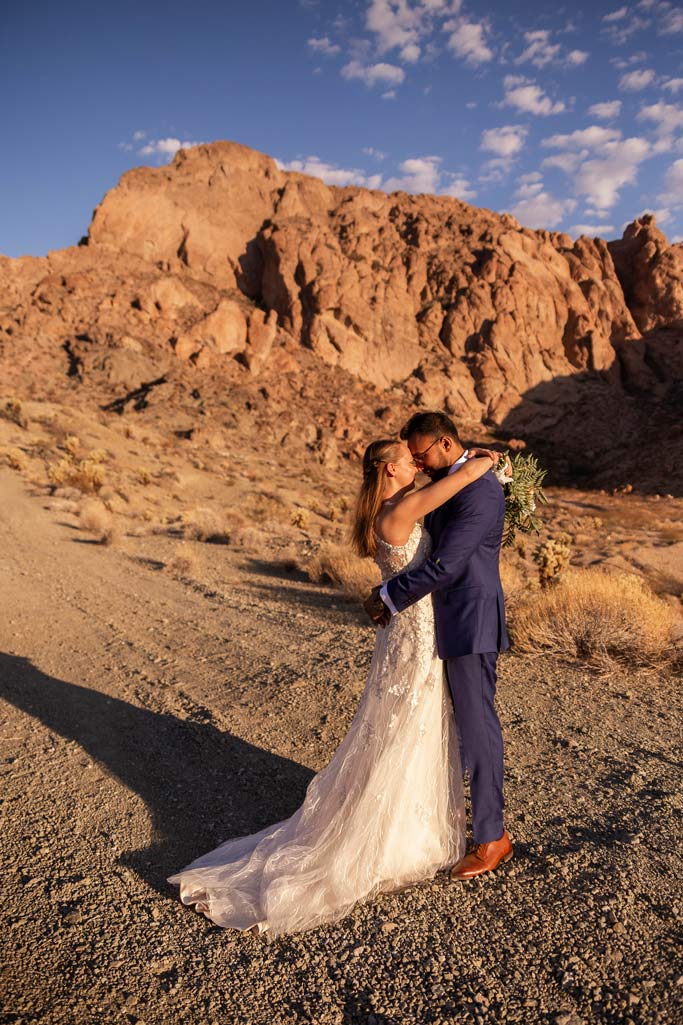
(145, 719)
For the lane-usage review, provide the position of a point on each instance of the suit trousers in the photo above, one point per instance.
(472, 683)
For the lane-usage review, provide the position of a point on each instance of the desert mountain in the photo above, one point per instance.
(304, 309)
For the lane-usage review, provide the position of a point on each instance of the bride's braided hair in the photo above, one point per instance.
(375, 458)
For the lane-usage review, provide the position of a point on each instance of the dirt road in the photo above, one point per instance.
(145, 719)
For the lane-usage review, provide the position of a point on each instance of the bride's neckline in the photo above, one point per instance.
(388, 544)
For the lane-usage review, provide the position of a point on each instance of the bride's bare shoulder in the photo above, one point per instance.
(391, 527)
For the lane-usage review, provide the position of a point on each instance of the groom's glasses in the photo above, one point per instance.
(418, 457)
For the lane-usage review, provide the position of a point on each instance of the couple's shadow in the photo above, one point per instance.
(200, 786)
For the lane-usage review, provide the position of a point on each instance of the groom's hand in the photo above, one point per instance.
(376, 609)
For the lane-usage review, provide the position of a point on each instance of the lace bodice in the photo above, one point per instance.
(393, 559)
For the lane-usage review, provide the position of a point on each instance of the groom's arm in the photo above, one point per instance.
(461, 535)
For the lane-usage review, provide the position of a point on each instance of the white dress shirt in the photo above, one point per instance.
(383, 592)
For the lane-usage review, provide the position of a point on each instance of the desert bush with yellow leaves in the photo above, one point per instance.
(598, 616)
(87, 473)
(14, 458)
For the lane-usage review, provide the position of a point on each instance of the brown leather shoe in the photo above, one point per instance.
(484, 858)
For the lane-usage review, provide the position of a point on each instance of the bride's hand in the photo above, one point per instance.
(494, 456)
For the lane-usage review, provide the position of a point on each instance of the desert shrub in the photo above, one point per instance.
(250, 538)
(14, 458)
(83, 474)
(264, 507)
(552, 557)
(338, 565)
(12, 410)
(97, 520)
(185, 561)
(598, 616)
(204, 524)
(300, 519)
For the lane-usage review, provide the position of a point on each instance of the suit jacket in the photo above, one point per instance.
(462, 573)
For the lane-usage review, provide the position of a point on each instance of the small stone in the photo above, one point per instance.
(389, 926)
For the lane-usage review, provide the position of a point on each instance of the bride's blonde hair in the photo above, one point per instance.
(375, 459)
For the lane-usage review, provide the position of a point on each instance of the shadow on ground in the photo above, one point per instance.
(200, 785)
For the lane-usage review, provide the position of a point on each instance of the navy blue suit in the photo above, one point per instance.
(462, 575)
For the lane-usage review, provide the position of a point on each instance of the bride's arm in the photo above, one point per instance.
(426, 499)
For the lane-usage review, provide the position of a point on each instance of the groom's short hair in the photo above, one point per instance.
(430, 422)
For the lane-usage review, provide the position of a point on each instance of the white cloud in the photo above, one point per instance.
(139, 136)
(396, 24)
(424, 174)
(634, 81)
(524, 95)
(411, 53)
(577, 57)
(601, 178)
(390, 94)
(505, 141)
(673, 185)
(330, 173)
(668, 117)
(460, 188)
(538, 208)
(606, 111)
(165, 147)
(539, 51)
(674, 85)
(385, 74)
(420, 174)
(592, 137)
(591, 229)
(617, 15)
(530, 178)
(324, 46)
(468, 40)
(619, 33)
(567, 162)
(671, 22)
(371, 151)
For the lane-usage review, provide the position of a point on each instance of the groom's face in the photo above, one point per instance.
(429, 453)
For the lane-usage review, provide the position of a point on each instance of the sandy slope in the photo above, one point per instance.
(146, 719)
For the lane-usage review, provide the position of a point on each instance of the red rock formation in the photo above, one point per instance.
(223, 263)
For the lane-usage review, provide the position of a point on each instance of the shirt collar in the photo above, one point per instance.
(458, 462)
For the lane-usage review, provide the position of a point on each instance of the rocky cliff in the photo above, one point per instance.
(222, 267)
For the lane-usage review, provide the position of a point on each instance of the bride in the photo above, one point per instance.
(388, 810)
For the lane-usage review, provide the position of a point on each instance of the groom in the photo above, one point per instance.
(463, 577)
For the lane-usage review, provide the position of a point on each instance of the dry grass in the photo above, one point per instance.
(203, 524)
(338, 565)
(12, 410)
(515, 584)
(185, 561)
(602, 617)
(98, 521)
(265, 507)
(14, 458)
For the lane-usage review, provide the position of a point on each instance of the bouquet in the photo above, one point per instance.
(521, 479)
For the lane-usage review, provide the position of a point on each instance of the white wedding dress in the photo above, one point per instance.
(386, 812)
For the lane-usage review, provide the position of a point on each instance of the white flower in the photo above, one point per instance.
(503, 471)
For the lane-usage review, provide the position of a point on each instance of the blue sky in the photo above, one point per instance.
(569, 117)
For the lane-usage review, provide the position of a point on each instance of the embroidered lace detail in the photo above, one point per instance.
(386, 812)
